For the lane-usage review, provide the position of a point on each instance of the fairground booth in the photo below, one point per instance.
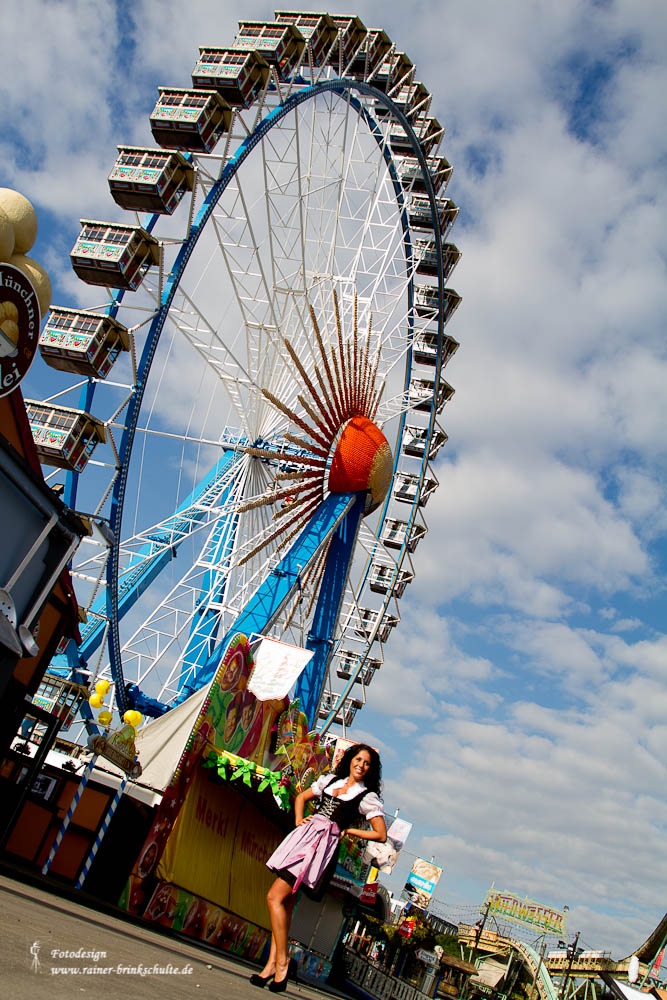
(228, 765)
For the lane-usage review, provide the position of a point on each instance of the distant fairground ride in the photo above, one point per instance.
(567, 972)
(254, 408)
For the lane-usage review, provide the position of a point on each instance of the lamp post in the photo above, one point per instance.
(572, 953)
(479, 928)
(537, 970)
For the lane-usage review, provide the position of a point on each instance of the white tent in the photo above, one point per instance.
(159, 745)
(621, 990)
(489, 973)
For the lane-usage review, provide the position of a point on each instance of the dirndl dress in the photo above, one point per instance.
(307, 856)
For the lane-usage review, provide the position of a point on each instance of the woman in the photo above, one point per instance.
(233, 733)
(307, 855)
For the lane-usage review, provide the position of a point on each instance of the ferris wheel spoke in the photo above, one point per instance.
(301, 200)
(214, 350)
(266, 361)
(187, 438)
(258, 257)
(368, 541)
(344, 174)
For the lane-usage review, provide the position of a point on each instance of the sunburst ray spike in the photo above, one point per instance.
(326, 412)
(345, 373)
(284, 456)
(289, 412)
(356, 366)
(301, 443)
(364, 378)
(325, 361)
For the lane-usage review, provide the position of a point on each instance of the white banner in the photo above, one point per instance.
(384, 856)
(277, 668)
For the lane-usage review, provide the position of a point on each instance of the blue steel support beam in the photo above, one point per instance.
(204, 628)
(136, 579)
(147, 565)
(332, 587)
(270, 598)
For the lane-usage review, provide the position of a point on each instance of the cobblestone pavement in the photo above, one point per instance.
(54, 947)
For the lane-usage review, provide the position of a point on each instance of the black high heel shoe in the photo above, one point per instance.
(260, 981)
(280, 985)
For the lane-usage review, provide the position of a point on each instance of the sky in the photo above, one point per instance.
(530, 664)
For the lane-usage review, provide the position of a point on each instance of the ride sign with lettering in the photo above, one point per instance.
(526, 911)
(19, 326)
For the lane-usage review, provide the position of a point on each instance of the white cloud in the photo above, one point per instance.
(425, 659)
(642, 499)
(626, 625)
(522, 804)
(507, 530)
(552, 647)
(60, 102)
(648, 656)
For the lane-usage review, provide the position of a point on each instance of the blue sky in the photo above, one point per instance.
(531, 660)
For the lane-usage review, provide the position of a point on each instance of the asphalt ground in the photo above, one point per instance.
(54, 947)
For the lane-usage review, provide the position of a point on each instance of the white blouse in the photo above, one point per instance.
(369, 807)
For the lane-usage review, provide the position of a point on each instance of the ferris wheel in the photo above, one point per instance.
(250, 415)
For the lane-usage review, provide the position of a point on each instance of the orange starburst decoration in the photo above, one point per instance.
(341, 403)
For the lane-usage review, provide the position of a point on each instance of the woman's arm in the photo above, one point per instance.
(299, 803)
(379, 831)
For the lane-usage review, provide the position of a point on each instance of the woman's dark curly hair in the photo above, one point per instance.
(373, 779)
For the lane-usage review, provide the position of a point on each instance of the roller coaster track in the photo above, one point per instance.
(545, 987)
(653, 943)
(590, 966)
(587, 966)
(492, 942)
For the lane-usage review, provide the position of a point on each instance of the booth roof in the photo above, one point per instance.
(489, 973)
(458, 963)
(621, 990)
(160, 744)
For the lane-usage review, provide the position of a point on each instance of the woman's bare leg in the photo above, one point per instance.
(270, 966)
(280, 901)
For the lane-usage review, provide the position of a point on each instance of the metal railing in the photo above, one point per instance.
(376, 982)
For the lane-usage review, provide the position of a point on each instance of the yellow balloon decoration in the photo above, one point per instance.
(102, 687)
(96, 700)
(105, 718)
